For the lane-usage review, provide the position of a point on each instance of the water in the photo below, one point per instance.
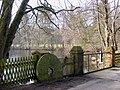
(24, 53)
(20, 53)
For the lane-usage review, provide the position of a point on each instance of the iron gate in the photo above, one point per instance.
(97, 61)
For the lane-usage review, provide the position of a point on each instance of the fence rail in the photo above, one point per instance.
(22, 70)
(17, 71)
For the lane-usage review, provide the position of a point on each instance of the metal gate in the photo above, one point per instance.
(117, 59)
(97, 61)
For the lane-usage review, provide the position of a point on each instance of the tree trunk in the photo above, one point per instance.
(107, 31)
(107, 36)
(4, 24)
(14, 26)
(114, 42)
(98, 26)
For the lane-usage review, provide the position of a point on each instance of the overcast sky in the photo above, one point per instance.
(57, 4)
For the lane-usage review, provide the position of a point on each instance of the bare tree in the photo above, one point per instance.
(108, 16)
(9, 27)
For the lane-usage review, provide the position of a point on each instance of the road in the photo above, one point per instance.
(108, 79)
(104, 80)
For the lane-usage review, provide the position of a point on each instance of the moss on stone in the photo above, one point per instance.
(48, 67)
(76, 49)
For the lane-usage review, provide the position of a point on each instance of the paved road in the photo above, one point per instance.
(102, 80)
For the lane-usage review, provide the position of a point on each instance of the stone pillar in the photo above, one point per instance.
(76, 55)
(109, 57)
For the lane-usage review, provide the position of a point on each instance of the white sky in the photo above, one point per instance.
(57, 4)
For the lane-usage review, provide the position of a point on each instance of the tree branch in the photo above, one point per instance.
(67, 10)
(41, 8)
(118, 29)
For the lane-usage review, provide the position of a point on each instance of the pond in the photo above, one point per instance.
(28, 52)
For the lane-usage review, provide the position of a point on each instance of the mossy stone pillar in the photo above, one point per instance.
(76, 55)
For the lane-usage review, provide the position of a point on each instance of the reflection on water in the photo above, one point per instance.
(20, 53)
(23, 53)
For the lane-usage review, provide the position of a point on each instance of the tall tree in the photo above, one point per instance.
(9, 27)
(108, 16)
